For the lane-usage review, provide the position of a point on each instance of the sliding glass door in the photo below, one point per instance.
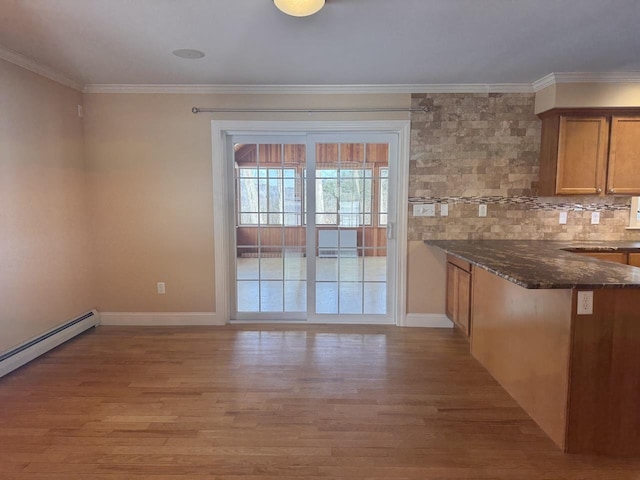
(313, 233)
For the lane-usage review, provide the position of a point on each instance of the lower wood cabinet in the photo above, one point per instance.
(617, 257)
(458, 307)
(625, 258)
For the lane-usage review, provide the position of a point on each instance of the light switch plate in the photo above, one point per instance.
(562, 219)
(482, 210)
(161, 288)
(424, 210)
(444, 209)
(595, 218)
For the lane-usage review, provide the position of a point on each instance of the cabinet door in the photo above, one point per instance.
(451, 292)
(634, 259)
(624, 156)
(464, 300)
(582, 152)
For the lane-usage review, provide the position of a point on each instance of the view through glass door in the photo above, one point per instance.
(313, 228)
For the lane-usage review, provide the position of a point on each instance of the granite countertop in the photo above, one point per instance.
(547, 264)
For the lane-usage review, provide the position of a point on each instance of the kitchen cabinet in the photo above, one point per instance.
(575, 373)
(634, 259)
(458, 306)
(589, 152)
(617, 257)
(624, 156)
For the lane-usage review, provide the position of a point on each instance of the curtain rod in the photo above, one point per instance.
(307, 110)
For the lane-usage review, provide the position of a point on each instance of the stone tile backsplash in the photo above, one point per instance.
(472, 149)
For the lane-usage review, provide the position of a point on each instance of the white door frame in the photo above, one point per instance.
(223, 199)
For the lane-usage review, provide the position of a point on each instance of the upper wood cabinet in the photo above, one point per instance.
(624, 156)
(589, 152)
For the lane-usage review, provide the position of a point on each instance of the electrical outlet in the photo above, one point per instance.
(562, 219)
(595, 218)
(482, 210)
(424, 210)
(80, 111)
(161, 288)
(585, 303)
(444, 209)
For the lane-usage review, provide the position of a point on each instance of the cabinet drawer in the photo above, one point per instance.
(634, 259)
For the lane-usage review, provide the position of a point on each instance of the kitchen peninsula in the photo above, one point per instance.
(575, 371)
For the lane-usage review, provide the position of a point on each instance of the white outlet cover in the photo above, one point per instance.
(585, 303)
(482, 210)
(161, 288)
(562, 219)
(444, 209)
(595, 218)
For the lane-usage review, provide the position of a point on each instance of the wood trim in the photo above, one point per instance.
(549, 155)
(464, 300)
(591, 112)
(451, 304)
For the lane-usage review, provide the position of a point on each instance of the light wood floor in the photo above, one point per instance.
(297, 402)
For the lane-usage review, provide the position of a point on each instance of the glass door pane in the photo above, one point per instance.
(311, 227)
(270, 234)
(351, 198)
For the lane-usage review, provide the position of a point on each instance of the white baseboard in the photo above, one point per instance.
(427, 320)
(159, 319)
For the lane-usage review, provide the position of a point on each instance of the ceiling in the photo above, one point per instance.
(349, 42)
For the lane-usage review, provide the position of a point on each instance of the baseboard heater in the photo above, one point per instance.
(27, 351)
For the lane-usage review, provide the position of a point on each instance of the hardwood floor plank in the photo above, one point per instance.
(251, 402)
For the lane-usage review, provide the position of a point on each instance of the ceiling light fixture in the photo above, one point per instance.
(188, 53)
(299, 8)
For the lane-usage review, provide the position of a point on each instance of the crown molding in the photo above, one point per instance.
(311, 89)
(471, 88)
(601, 77)
(544, 82)
(39, 68)
(585, 77)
